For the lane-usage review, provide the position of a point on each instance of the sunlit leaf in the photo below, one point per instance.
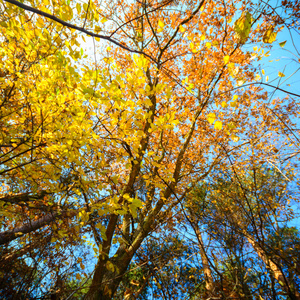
(161, 26)
(211, 117)
(218, 125)
(269, 36)
(242, 26)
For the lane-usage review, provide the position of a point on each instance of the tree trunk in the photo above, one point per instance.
(108, 275)
(276, 271)
(110, 271)
(209, 282)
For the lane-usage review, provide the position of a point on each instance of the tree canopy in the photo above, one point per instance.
(160, 162)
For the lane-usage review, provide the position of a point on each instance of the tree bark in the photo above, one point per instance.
(209, 281)
(10, 235)
(108, 275)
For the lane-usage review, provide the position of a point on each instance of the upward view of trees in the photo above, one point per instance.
(148, 150)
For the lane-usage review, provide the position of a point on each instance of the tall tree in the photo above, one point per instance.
(103, 152)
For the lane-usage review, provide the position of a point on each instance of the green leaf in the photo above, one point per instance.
(282, 44)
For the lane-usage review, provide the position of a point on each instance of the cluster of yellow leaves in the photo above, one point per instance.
(128, 116)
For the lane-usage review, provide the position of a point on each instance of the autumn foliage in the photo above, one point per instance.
(166, 124)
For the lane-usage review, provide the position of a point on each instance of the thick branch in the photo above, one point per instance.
(10, 235)
(23, 198)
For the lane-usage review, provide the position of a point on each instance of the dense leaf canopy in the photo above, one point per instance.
(144, 152)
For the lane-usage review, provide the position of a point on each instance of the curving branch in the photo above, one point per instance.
(81, 29)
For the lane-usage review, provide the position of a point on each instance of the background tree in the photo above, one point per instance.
(239, 212)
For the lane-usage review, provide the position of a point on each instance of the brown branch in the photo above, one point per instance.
(24, 197)
(81, 29)
(10, 235)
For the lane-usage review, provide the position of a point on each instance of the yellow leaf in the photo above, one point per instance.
(161, 23)
(211, 117)
(226, 59)
(110, 266)
(257, 77)
(235, 138)
(78, 7)
(103, 20)
(97, 28)
(281, 74)
(208, 45)
(240, 82)
(269, 36)
(161, 26)
(218, 125)
(282, 44)
(40, 22)
(242, 26)
(181, 28)
(224, 104)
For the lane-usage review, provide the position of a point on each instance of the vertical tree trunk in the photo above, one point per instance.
(110, 271)
(276, 271)
(273, 267)
(209, 282)
(108, 275)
